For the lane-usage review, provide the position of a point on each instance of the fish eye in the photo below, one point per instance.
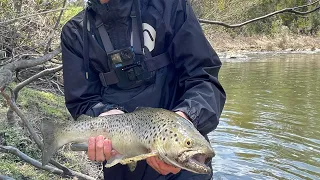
(188, 142)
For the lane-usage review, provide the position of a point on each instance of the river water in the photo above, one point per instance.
(270, 127)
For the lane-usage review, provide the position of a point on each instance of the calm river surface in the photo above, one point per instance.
(270, 127)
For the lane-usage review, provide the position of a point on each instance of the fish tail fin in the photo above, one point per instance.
(49, 130)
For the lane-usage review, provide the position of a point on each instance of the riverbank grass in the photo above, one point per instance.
(37, 105)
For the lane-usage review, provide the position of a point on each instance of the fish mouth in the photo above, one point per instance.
(196, 161)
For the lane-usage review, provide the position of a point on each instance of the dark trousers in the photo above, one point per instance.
(144, 172)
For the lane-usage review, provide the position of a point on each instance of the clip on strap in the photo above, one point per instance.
(108, 47)
(108, 78)
(85, 45)
(158, 62)
(137, 32)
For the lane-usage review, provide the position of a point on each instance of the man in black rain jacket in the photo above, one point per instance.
(181, 72)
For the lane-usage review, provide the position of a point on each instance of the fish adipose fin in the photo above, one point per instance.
(132, 166)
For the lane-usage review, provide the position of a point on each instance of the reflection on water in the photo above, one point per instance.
(270, 127)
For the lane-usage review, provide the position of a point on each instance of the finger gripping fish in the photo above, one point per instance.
(144, 133)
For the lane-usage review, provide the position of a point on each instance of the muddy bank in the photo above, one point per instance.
(238, 47)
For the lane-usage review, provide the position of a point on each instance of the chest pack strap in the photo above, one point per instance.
(137, 32)
(157, 62)
(110, 77)
(152, 63)
(108, 47)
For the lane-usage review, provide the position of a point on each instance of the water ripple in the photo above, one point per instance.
(270, 127)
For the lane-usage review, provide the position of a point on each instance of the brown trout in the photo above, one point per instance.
(144, 133)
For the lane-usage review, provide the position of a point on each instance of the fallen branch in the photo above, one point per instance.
(24, 157)
(6, 70)
(289, 10)
(35, 137)
(58, 86)
(28, 16)
(14, 107)
(10, 117)
(2, 177)
(33, 78)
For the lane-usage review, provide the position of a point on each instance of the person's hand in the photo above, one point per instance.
(182, 114)
(99, 148)
(111, 112)
(162, 167)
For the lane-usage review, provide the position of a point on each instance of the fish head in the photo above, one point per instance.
(184, 147)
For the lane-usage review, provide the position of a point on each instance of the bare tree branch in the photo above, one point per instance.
(14, 107)
(35, 137)
(55, 27)
(306, 5)
(58, 86)
(6, 71)
(33, 78)
(24, 157)
(5, 177)
(28, 16)
(289, 10)
(10, 117)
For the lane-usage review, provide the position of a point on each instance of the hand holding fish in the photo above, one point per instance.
(157, 135)
(99, 148)
(160, 166)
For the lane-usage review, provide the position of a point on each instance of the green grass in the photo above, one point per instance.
(45, 103)
(35, 105)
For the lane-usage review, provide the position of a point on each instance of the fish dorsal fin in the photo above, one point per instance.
(141, 108)
(84, 117)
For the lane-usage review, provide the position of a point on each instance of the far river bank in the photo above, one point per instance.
(239, 47)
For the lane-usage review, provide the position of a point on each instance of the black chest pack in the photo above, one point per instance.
(128, 67)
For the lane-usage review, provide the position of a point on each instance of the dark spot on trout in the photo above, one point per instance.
(177, 140)
(164, 139)
(165, 130)
(164, 125)
(175, 135)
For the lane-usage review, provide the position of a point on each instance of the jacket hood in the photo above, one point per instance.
(114, 10)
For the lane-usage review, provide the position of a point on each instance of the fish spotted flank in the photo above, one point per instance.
(144, 133)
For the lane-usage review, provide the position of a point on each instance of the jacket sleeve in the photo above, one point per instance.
(82, 96)
(202, 96)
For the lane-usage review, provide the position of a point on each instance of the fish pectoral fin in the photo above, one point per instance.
(132, 166)
(138, 158)
(84, 118)
(114, 160)
(131, 162)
